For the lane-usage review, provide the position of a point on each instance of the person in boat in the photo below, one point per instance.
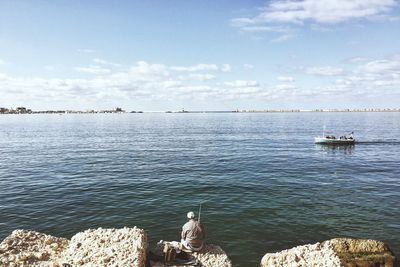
(193, 234)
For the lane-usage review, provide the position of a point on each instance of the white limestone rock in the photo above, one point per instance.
(209, 256)
(29, 248)
(336, 252)
(307, 255)
(107, 247)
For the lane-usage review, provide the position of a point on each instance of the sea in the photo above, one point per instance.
(262, 183)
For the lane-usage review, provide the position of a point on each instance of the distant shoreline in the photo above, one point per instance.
(17, 112)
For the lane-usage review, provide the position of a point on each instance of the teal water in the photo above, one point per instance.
(265, 186)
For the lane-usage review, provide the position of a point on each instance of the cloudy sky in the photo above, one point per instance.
(200, 54)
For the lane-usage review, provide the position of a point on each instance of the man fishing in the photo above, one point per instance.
(193, 234)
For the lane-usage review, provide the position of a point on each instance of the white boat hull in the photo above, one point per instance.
(328, 141)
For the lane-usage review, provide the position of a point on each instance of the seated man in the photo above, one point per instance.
(193, 233)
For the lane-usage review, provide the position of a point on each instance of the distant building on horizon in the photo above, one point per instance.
(18, 110)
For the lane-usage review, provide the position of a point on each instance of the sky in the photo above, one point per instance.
(160, 55)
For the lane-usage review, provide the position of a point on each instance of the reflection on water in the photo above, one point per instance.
(378, 142)
(336, 148)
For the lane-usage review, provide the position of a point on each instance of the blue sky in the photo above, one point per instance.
(200, 55)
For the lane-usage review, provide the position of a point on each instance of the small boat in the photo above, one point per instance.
(332, 140)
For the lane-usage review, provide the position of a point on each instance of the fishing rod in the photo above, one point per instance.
(199, 212)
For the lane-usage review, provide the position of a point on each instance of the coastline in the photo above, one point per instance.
(23, 110)
(129, 247)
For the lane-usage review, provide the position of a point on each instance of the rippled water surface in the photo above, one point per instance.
(265, 186)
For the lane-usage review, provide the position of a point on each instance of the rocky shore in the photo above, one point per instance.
(100, 247)
(28, 248)
(336, 252)
(129, 247)
(93, 247)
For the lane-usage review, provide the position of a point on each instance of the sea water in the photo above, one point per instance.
(263, 184)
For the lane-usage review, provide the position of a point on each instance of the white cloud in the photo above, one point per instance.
(374, 78)
(171, 84)
(226, 68)
(99, 61)
(325, 71)
(197, 77)
(243, 89)
(382, 66)
(198, 67)
(263, 28)
(242, 22)
(323, 11)
(383, 72)
(257, 29)
(318, 12)
(86, 51)
(146, 69)
(143, 80)
(283, 87)
(242, 83)
(148, 81)
(195, 89)
(3, 76)
(357, 59)
(105, 62)
(285, 79)
(248, 66)
(283, 38)
(93, 70)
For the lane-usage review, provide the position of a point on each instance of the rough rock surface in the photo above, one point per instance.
(307, 255)
(212, 255)
(28, 248)
(362, 253)
(107, 247)
(209, 256)
(336, 252)
(97, 247)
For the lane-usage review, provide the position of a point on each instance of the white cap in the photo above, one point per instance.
(190, 215)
